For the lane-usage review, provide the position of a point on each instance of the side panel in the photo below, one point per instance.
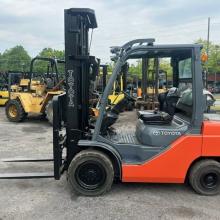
(30, 103)
(3, 101)
(47, 98)
(171, 166)
(211, 138)
(4, 95)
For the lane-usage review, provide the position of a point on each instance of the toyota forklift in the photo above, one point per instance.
(137, 146)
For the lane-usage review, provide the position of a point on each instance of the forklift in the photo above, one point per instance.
(7, 78)
(117, 98)
(3, 88)
(34, 93)
(150, 86)
(145, 146)
(101, 79)
(119, 86)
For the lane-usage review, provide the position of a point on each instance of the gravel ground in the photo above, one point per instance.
(50, 199)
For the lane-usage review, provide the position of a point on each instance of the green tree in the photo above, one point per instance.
(136, 68)
(15, 59)
(52, 53)
(213, 63)
(165, 66)
(41, 66)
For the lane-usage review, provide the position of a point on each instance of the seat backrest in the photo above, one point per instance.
(168, 101)
(24, 82)
(161, 100)
(185, 103)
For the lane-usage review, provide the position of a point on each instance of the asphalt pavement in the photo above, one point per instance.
(50, 199)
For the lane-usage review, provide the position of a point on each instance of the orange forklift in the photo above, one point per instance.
(178, 143)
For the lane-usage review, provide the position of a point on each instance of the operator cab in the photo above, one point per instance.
(174, 117)
(42, 82)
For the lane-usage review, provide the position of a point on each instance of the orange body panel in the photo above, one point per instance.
(211, 138)
(170, 166)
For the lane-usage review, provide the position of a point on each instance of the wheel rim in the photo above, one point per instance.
(12, 111)
(210, 180)
(90, 175)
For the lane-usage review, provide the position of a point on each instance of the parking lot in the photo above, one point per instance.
(50, 199)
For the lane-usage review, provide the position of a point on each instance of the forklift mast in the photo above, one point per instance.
(80, 69)
(104, 75)
(124, 71)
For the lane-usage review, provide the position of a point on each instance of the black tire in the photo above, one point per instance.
(91, 173)
(49, 112)
(204, 177)
(19, 113)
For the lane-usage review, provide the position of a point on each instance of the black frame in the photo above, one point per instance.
(73, 107)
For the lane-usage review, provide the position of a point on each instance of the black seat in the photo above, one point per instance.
(159, 129)
(161, 100)
(155, 117)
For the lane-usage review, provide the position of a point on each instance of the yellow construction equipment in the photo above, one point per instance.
(34, 95)
(4, 84)
(4, 95)
(3, 89)
(117, 94)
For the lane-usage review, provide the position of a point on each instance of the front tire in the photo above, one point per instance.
(14, 111)
(91, 173)
(205, 177)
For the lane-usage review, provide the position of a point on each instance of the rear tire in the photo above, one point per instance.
(91, 173)
(49, 112)
(14, 111)
(204, 177)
